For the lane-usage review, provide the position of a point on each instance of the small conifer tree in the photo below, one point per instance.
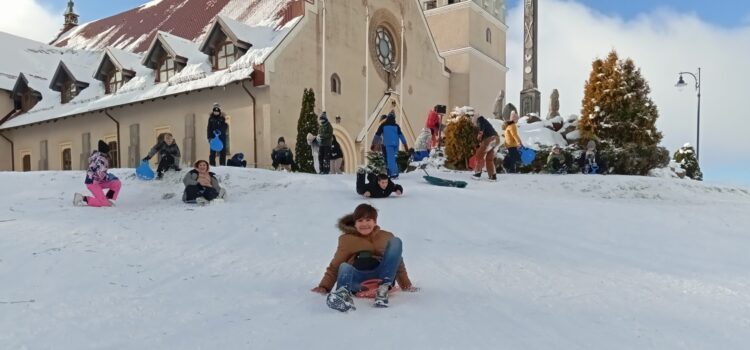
(307, 123)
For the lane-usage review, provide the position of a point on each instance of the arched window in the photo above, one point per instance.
(488, 35)
(335, 84)
(225, 55)
(167, 69)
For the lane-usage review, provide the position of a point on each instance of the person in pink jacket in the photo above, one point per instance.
(98, 179)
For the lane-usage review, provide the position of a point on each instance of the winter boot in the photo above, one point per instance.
(110, 194)
(493, 178)
(78, 200)
(340, 300)
(476, 176)
(381, 295)
(159, 175)
(201, 201)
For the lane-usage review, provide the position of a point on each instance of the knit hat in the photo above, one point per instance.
(281, 139)
(323, 116)
(216, 107)
(103, 147)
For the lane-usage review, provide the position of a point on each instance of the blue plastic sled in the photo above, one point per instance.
(215, 143)
(527, 155)
(144, 171)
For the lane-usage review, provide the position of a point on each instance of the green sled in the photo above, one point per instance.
(443, 182)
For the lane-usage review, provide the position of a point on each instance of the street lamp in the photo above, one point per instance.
(681, 84)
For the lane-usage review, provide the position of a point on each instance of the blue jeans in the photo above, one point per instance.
(352, 278)
(391, 152)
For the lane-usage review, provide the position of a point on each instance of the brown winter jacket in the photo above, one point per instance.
(351, 242)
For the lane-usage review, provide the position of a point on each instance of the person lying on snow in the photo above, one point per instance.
(364, 252)
(379, 186)
(201, 185)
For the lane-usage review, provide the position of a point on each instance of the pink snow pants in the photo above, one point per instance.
(97, 189)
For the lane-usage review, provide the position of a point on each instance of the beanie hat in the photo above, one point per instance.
(323, 116)
(103, 147)
(281, 139)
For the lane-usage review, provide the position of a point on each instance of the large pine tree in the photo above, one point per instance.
(619, 114)
(307, 123)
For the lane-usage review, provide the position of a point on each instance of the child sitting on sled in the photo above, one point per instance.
(364, 252)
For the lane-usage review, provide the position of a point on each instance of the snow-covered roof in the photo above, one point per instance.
(135, 29)
(197, 74)
(126, 60)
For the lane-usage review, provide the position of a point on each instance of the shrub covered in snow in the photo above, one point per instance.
(460, 142)
(685, 156)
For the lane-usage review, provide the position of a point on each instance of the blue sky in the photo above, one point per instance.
(728, 13)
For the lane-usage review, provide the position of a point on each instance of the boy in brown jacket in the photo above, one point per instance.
(364, 252)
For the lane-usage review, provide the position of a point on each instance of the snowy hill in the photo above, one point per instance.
(530, 262)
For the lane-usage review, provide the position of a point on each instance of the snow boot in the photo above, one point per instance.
(476, 176)
(78, 200)
(381, 295)
(493, 178)
(340, 300)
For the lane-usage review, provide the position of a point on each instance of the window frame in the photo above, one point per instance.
(336, 84)
(162, 61)
(221, 55)
(68, 91)
(66, 146)
(488, 35)
(117, 84)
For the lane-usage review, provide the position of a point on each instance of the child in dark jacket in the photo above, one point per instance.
(169, 154)
(379, 186)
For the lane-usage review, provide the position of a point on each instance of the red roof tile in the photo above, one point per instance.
(133, 30)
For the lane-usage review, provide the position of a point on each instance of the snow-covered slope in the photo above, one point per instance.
(530, 262)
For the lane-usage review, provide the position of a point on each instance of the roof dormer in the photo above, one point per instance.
(115, 69)
(227, 41)
(168, 54)
(25, 97)
(65, 82)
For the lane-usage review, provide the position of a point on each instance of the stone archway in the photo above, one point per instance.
(347, 147)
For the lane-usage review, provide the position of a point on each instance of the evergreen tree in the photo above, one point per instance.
(460, 142)
(376, 163)
(307, 123)
(686, 157)
(618, 113)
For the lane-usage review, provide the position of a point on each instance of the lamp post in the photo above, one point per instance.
(681, 84)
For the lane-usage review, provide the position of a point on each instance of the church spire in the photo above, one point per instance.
(71, 17)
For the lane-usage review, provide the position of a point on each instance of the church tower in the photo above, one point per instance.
(71, 17)
(471, 36)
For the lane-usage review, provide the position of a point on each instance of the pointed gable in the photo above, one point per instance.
(64, 73)
(179, 49)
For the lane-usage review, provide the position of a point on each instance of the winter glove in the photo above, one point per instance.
(146, 158)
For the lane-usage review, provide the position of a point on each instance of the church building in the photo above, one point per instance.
(160, 67)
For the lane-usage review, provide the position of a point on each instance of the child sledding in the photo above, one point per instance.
(364, 252)
(376, 186)
(98, 179)
(201, 185)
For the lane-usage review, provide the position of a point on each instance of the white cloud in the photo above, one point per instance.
(29, 19)
(662, 43)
